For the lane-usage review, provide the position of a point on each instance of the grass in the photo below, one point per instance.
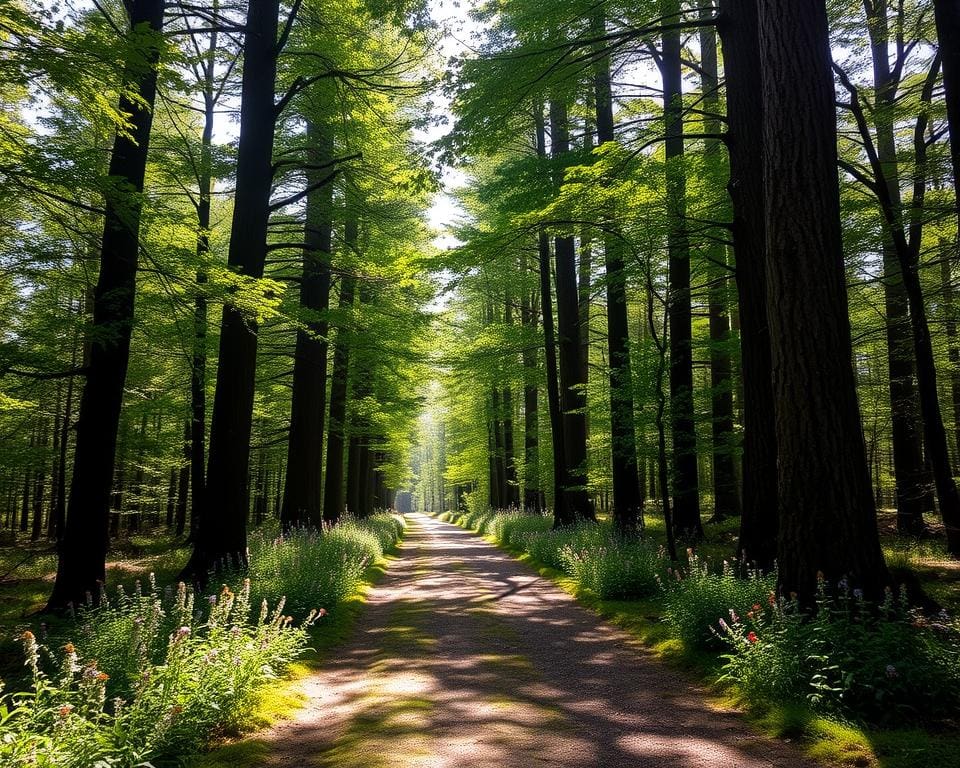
(830, 741)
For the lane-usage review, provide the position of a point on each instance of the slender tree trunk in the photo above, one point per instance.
(39, 484)
(906, 428)
(83, 550)
(953, 347)
(561, 515)
(302, 501)
(827, 517)
(222, 536)
(512, 483)
(572, 396)
(742, 70)
(627, 497)
(686, 494)
(532, 495)
(183, 483)
(333, 498)
(726, 495)
(947, 15)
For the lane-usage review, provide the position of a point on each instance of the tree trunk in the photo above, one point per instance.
(532, 495)
(83, 549)
(222, 535)
(627, 498)
(947, 15)
(686, 494)
(953, 347)
(827, 517)
(512, 484)
(302, 500)
(572, 397)
(741, 60)
(183, 483)
(726, 494)
(333, 498)
(906, 428)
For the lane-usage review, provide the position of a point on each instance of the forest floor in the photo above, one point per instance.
(463, 656)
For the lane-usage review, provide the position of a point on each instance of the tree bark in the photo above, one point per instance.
(222, 535)
(572, 395)
(302, 500)
(947, 16)
(686, 492)
(83, 549)
(333, 493)
(827, 516)
(741, 58)
(532, 495)
(627, 497)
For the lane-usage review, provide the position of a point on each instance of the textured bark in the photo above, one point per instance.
(560, 514)
(532, 495)
(827, 516)
(741, 58)
(572, 396)
(686, 492)
(947, 15)
(953, 347)
(83, 548)
(726, 494)
(512, 487)
(627, 498)
(907, 432)
(302, 500)
(222, 534)
(333, 492)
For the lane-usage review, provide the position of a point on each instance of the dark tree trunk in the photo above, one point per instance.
(572, 397)
(172, 497)
(906, 427)
(947, 15)
(302, 500)
(726, 494)
(561, 515)
(827, 516)
(627, 498)
(498, 498)
(741, 58)
(532, 495)
(333, 498)
(134, 519)
(686, 494)
(222, 534)
(39, 485)
(953, 347)
(83, 548)
(512, 484)
(183, 483)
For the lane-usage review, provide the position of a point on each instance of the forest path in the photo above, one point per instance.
(463, 657)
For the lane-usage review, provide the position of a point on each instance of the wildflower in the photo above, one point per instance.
(734, 617)
(858, 594)
(27, 637)
(175, 710)
(65, 711)
(322, 612)
(892, 671)
(724, 626)
(179, 635)
(756, 608)
(843, 584)
(752, 637)
(69, 648)
(772, 598)
(102, 677)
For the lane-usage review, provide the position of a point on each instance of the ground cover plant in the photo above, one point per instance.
(148, 674)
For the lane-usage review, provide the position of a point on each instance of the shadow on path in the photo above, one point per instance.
(463, 657)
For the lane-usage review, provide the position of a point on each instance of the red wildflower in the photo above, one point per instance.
(752, 637)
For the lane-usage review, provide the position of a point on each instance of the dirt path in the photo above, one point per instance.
(465, 658)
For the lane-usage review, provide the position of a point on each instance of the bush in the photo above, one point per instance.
(695, 599)
(883, 664)
(511, 528)
(614, 569)
(318, 569)
(152, 695)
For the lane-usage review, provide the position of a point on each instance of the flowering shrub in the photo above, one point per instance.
(696, 597)
(511, 528)
(153, 694)
(880, 664)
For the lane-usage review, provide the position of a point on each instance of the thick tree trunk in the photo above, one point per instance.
(572, 396)
(726, 494)
(333, 493)
(302, 500)
(686, 493)
(83, 548)
(827, 516)
(222, 535)
(906, 428)
(741, 58)
(953, 345)
(627, 497)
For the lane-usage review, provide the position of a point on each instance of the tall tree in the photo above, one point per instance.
(827, 516)
(83, 548)
(738, 28)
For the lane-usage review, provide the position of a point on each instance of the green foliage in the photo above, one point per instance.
(318, 569)
(886, 665)
(614, 569)
(696, 597)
